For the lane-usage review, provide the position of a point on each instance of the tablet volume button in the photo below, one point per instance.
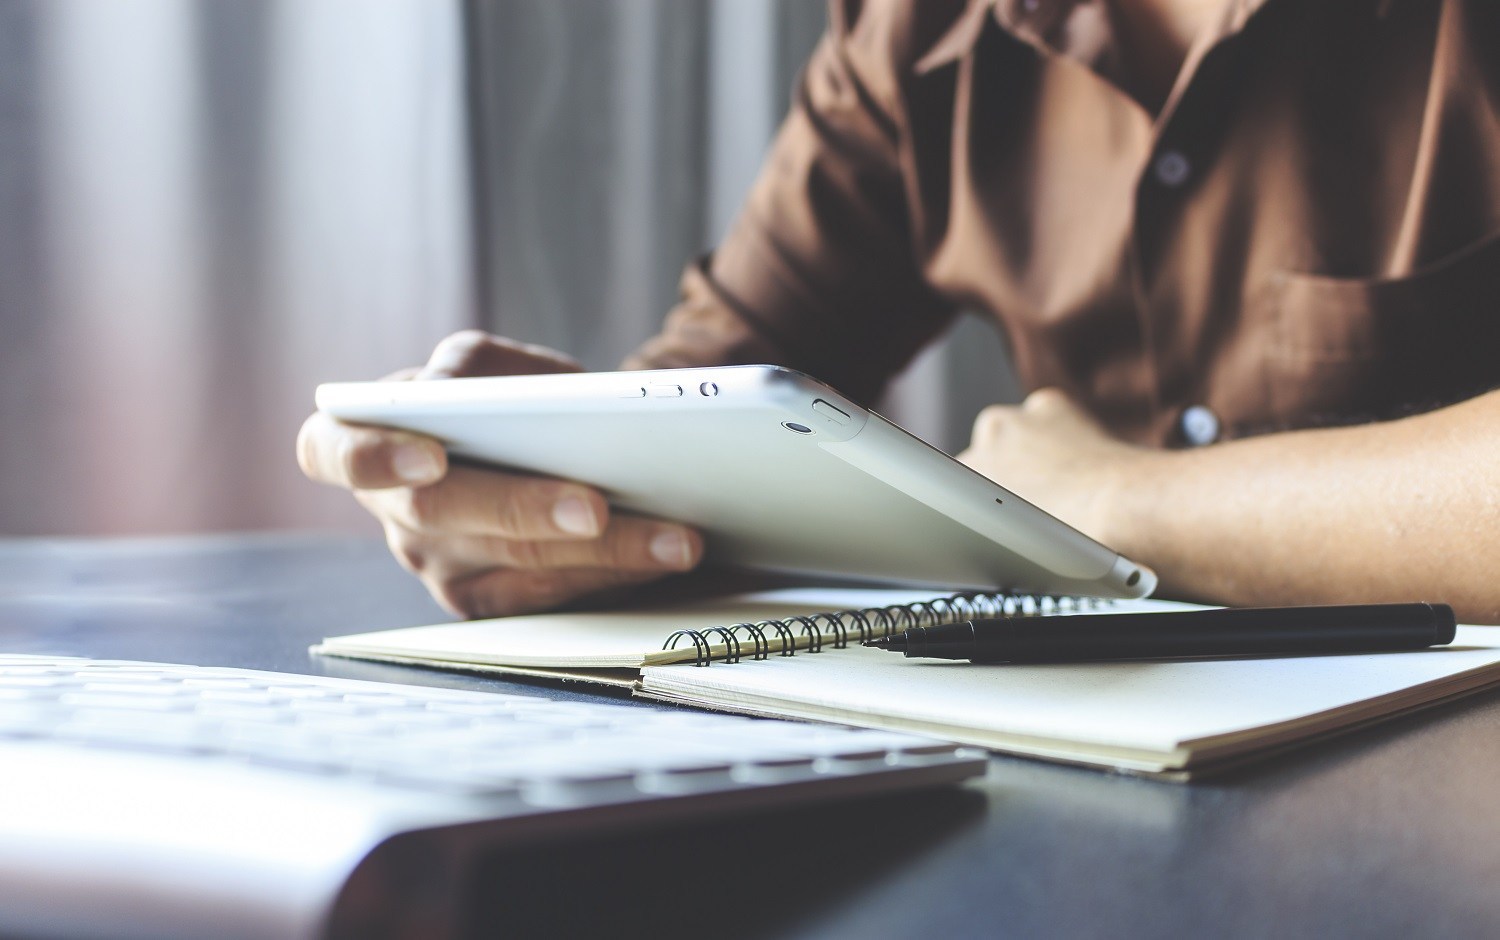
(666, 391)
(636, 392)
(828, 411)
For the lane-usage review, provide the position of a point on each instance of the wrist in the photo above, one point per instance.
(1128, 501)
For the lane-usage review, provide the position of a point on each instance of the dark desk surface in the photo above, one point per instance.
(1393, 831)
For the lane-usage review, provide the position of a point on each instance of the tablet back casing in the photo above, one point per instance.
(779, 472)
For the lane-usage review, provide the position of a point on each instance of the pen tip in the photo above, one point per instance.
(894, 643)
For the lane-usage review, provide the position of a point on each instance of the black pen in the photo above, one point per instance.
(1229, 631)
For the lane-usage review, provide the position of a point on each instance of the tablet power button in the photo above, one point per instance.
(828, 411)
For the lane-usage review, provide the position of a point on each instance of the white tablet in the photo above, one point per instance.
(779, 472)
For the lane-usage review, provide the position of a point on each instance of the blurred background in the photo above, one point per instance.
(209, 206)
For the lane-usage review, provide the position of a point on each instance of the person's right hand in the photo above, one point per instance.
(489, 543)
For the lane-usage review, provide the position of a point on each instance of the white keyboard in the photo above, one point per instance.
(183, 762)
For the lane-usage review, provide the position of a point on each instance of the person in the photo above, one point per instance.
(1247, 253)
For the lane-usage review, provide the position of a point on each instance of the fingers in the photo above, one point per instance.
(488, 543)
(1045, 406)
(490, 577)
(363, 458)
(630, 543)
(474, 352)
(505, 592)
(1048, 401)
(374, 459)
(474, 501)
(990, 424)
(1054, 407)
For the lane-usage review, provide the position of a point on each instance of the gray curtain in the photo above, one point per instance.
(613, 142)
(208, 206)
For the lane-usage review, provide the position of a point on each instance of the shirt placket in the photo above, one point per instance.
(1177, 159)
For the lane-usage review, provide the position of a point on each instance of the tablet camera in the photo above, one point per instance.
(794, 426)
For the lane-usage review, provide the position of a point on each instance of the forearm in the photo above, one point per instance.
(1403, 510)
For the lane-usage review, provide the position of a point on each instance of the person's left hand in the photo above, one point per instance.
(1052, 453)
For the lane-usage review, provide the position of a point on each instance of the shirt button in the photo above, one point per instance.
(1199, 425)
(1172, 168)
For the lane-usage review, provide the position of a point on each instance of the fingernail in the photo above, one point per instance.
(573, 514)
(671, 548)
(415, 463)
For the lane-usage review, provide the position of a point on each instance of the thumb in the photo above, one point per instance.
(475, 353)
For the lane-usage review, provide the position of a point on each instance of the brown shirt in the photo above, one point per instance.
(1307, 231)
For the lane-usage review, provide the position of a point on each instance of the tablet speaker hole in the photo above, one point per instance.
(794, 426)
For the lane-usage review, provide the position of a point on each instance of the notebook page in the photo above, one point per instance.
(1146, 707)
(606, 639)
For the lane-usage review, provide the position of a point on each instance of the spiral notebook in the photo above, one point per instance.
(796, 654)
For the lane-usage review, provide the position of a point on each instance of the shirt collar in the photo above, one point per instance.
(959, 40)
(1037, 21)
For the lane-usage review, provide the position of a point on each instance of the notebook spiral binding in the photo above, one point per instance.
(782, 636)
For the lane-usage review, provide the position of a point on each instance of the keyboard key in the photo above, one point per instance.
(365, 698)
(125, 701)
(532, 750)
(243, 711)
(469, 783)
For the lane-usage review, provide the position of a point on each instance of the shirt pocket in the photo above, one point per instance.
(1352, 349)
